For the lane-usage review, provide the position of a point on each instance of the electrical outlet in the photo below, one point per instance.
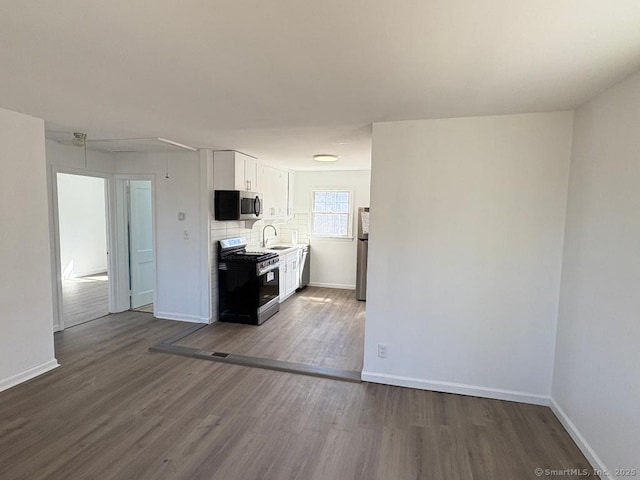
(186, 235)
(382, 350)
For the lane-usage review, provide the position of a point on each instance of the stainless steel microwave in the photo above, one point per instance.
(237, 205)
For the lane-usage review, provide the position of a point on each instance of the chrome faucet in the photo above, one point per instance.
(264, 242)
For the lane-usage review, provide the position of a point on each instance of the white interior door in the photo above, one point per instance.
(141, 242)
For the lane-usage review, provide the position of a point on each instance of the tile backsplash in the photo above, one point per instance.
(299, 222)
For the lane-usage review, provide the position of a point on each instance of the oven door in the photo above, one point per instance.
(268, 286)
(246, 295)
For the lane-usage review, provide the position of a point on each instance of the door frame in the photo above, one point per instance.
(56, 270)
(121, 240)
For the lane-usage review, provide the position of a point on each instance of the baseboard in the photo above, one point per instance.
(577, 437)
(332, 285)
(91, 271)
(181, 317)
(28, 374)
(282, 299)
(458, 388)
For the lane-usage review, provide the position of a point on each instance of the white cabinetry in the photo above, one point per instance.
(269, 180)
(289, 277)
(252, 174)
(276, 192)
(236, 171)
(281, 193)
(292, 273)
(292, 178)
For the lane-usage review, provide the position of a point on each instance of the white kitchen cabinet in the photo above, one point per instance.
(281, 193)
(283, 278)
(289, 274)
(252, 174)
(275, 192)
(292, 273)
(236, 171)
(269, 176)
(291, 178)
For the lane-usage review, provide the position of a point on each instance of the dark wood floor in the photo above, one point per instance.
(115, 411)
(316, 326)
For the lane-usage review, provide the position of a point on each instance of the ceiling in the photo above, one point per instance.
(283, 80)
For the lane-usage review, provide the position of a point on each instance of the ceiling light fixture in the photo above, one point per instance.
(324, 157)
(80, 140)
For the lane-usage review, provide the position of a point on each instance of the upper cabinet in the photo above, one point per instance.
(292, 178)
(277, 195)
(236, 171)
(252, 174)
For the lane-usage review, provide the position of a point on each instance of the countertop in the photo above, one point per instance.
(280, 251)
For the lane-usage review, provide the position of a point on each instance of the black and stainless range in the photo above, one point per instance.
(248, 283)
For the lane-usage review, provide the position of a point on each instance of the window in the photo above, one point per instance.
(331, 213)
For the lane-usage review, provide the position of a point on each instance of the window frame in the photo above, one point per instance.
(349, 213)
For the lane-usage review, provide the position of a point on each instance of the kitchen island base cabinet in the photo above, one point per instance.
(289, 275)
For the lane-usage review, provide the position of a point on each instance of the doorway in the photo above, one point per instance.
(140, 244)
(83, 242)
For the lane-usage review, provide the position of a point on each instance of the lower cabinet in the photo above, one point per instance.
(289, 274)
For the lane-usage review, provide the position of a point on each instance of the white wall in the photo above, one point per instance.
(596, 379)
(179, 287)
(83, 232)
(465, 248)
(71, 158)
(26, 308)
(333, 261)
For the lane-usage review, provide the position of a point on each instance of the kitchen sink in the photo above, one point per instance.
(279, 247)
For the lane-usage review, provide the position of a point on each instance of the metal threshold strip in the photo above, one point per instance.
(167, 346)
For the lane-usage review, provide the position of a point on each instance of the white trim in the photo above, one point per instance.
(180, 317)
(28, 374)
(206, 206)
(90, 272)
(120, 257)
(121, 208)
(343, 286)
(350, 213)
(56, 268)
(458, 388)
(577, 437)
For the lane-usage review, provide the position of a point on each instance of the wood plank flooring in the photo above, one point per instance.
(115, 411)
(316, 326)
(148, 308)
(84, 299)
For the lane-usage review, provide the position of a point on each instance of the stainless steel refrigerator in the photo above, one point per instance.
(363, 247)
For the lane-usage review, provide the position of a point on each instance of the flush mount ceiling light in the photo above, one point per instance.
(325, 158)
